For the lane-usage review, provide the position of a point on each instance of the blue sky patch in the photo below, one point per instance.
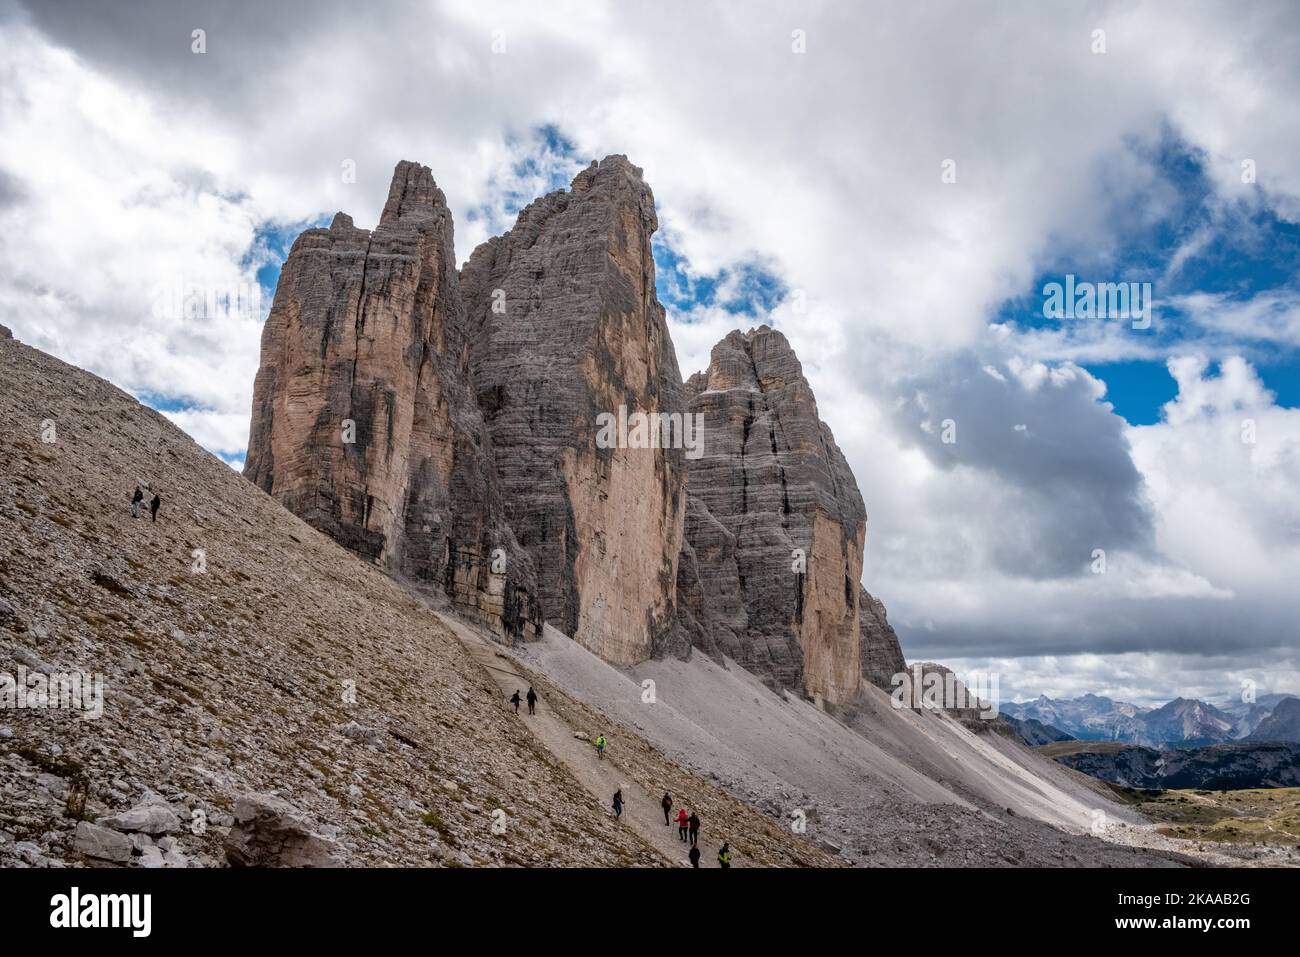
(1236, 250)
(270, 248)
(163, 403)
(748, 288)
(549, 163)
(1136, 389)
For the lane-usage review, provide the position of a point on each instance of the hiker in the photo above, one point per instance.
(695, 857)
(667, 802)
(618, 803)
(724, 855)
(600, 746)
(694, 824)
(532, 700)
(514, 700)
(154, 506)
(681, 824)
(136, 499)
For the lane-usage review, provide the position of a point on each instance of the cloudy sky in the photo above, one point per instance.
(892, 186)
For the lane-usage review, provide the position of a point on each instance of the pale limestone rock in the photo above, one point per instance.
(566, 327)
(364, 416)
(152, 816)
(271, 832)
(776, 529)
(101, 843)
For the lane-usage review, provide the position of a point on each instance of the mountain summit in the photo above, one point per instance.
(448, 426)
(365, 422)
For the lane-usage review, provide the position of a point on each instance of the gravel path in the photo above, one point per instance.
(641, 812)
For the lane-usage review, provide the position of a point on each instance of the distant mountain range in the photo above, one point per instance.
(1229, 766)
(1182, 723)
(1033, 732)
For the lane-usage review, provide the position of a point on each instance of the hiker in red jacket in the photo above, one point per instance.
(681, 823)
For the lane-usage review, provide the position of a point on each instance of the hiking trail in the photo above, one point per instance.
(641, 811)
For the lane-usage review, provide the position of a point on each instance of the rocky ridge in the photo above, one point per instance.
(483, 395)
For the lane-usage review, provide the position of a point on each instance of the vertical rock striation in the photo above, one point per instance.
(882, 657)
(455, 429)
(365, 421)
(776, 529)
(567, 327)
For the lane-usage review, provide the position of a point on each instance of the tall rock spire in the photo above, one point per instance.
(567, 329)
(364, 416)
(455, 428)
(777, 528)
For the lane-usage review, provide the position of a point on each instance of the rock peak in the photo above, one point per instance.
(412, 194)
(617, 174)
(612, 165)
(567, 329)
(771, 487)
(365, 421)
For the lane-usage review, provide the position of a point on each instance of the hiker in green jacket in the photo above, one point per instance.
(724, 855)
(600, 746)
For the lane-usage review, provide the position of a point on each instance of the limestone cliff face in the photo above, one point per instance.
(882, 658)
(365, 421)
(776, 529)
(477, 431)
(567, 328)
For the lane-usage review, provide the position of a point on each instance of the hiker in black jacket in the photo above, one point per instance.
(693, 822)
(532, 700)
(153, 507)
(667, 803)
(515, 699)
(136, 499)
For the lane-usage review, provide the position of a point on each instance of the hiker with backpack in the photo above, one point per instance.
(532, 700)
(514, 700)
(681, 824)
(618, 803)
(600, 746)
(667, 803)
(724, 855)
(154, 506)
(693, 823)
(695, 857)
(136, 499)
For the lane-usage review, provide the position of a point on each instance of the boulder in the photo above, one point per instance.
(152, 816)
(101, 843)
(270, 832)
